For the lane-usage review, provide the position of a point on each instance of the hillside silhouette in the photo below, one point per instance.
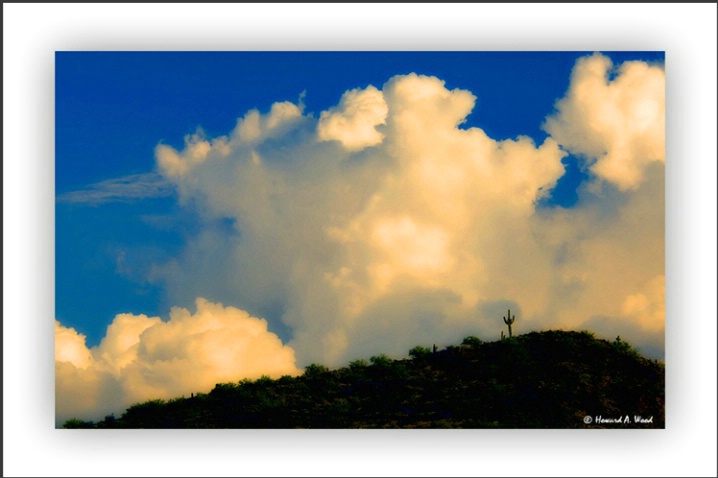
(552, 379)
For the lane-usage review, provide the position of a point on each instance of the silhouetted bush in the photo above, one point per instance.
(625, 347)
(419, 352)
(471, 341)
(358, 364)
(380, 360)
(315, 370)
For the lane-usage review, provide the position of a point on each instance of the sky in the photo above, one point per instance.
(222, 215)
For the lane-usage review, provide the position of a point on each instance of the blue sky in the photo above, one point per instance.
(142, 227)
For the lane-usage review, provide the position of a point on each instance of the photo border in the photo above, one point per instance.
(32, 33)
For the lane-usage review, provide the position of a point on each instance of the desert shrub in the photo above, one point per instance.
(315, 370)
(380, 359)
(264, 379)
(471, 340)
(419, 351)
(624, 347)
(358, 364)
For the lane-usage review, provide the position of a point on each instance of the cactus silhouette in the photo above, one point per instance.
(509, 320)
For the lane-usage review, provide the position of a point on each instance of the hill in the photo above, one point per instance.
(552, 379)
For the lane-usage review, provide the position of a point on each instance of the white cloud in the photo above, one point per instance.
(607, 249)
(413, 238)
(617, 122)
(647, 307)
(353, 123)
(70, 347)
(142, 358)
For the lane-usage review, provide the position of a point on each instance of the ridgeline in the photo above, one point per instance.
(551, 379)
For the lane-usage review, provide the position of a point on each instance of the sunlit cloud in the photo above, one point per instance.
(618, 123)
(348, 238)
(353, 123)
(142, 358)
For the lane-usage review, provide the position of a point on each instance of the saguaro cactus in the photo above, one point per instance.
(508, 320)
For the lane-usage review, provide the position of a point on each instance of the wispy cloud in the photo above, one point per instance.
(125, 189)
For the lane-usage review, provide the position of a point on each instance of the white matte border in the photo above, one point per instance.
(31, 35)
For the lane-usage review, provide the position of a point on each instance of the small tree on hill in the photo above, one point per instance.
(472, 341)
(314, 370)
(380, 360)
(419, 351)
(358, 364)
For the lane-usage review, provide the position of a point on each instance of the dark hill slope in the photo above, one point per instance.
(539, 380)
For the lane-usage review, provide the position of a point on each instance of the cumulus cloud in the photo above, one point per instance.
(385, 223)
(618, 123)
(70, 347)
(412, 239)
(605, 251)
(353, 123)
(640, 319)
(647, 307)
(142, 358)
